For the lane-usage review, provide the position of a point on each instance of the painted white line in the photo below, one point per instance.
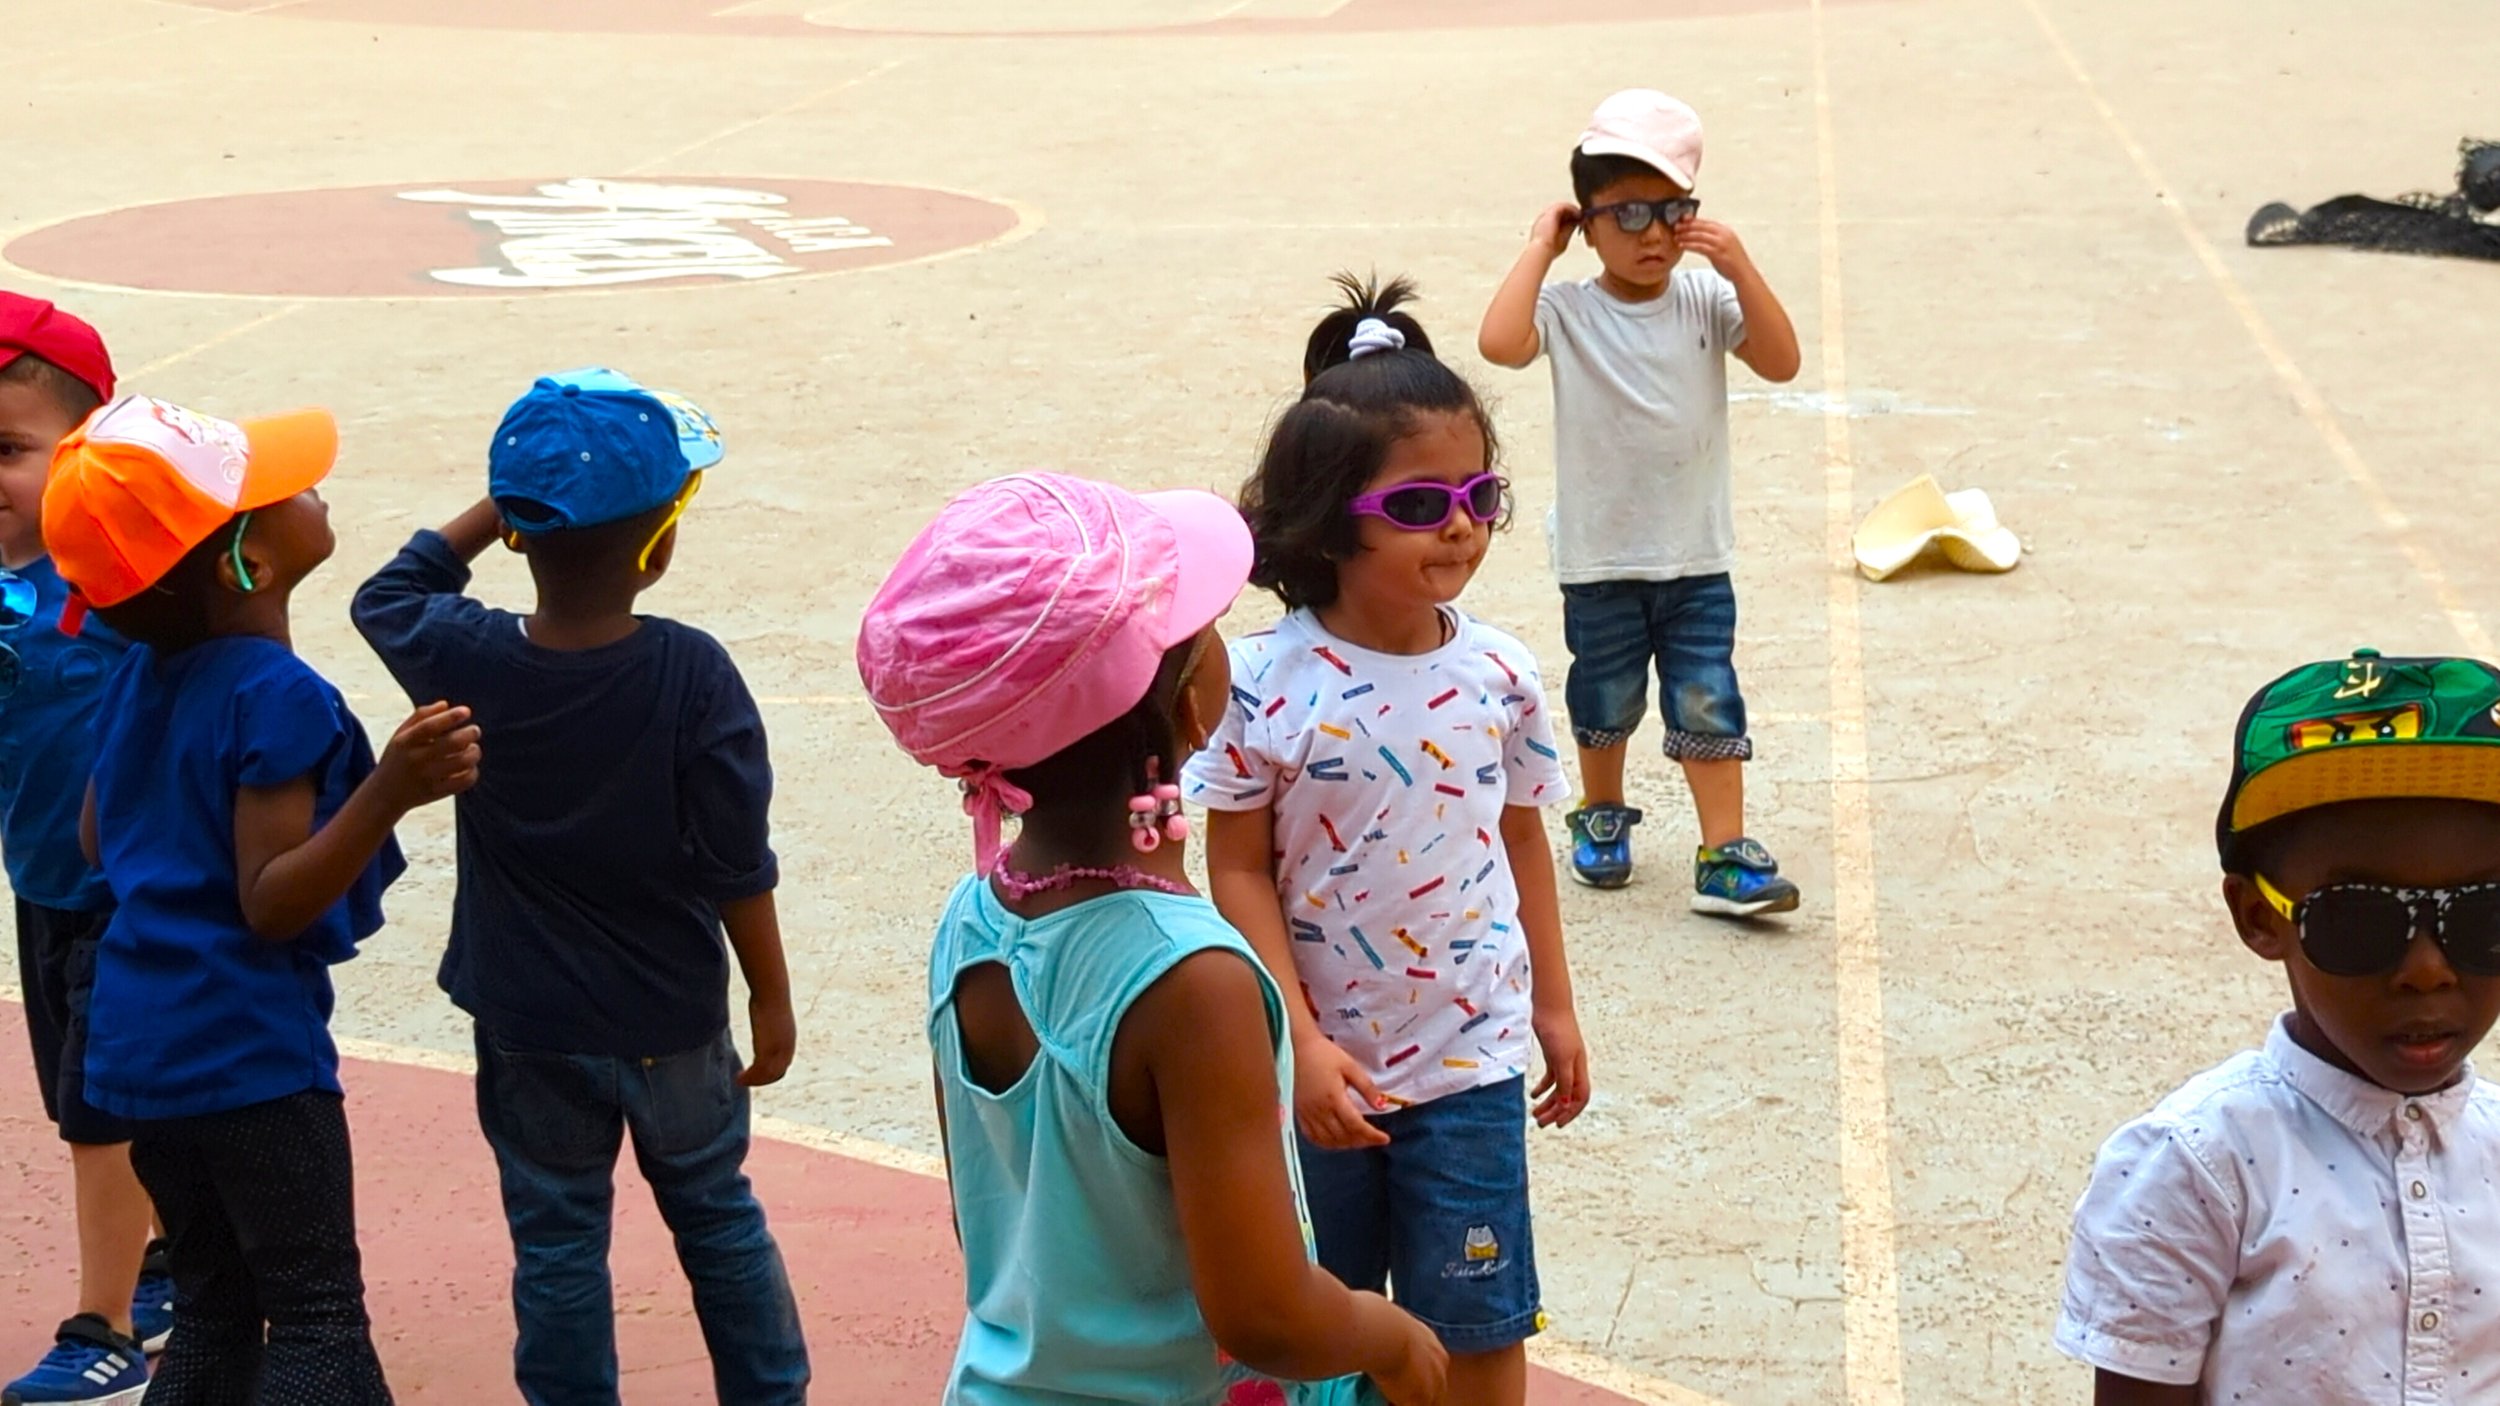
(177, 358)
(2313, 406)
(1869, 1266)
(733, 129)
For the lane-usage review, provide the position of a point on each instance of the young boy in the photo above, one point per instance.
(245, 827)
(54, 372)
(1643, 533)
(2313, 1221)
(623, 827)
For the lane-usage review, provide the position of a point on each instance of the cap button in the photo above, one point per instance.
(2365, 654)
(572, 390)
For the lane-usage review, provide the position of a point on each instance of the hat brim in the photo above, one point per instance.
(289, 454)
(1215, 551)
(2369, 771)
(1647, 156)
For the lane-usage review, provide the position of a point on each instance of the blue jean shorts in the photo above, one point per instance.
(1439, 1217)
(1618, 630)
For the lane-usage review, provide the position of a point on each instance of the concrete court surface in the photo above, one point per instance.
(1829, 1159)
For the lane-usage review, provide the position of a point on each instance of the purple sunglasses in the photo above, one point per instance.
(1427, 506)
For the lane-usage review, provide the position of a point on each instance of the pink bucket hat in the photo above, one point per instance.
(1033, 612)
(1658, 131)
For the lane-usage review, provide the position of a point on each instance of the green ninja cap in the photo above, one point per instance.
(2364, 729)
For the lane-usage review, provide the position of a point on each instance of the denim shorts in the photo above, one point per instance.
(1617, 630)
(1438, 1217)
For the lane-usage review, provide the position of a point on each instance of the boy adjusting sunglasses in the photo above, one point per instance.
(2291, 1189)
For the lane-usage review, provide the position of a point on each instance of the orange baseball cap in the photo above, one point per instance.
(142, 482)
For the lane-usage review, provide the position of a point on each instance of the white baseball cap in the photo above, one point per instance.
(1656, 130)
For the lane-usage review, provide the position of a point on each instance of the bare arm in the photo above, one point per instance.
(1564, 1091)
(1203, 1035)
(476, 529)
(754, 929)
(1241, 847)
(1770, 338)
(2111, 1389)
(88, 844)
(1508, 336)
(288, 874)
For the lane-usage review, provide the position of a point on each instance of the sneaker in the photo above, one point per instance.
(152, 1303)
(1601, 844)
(90, 1365)
(1740, 880)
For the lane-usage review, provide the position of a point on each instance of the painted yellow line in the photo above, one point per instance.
(733, 129)
(2313, 406)
(177, 358)
(1869, 1268)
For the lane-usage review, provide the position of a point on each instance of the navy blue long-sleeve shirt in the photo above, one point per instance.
(624, 797)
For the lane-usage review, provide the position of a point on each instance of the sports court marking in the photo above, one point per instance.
(2313, 406)
(734, 128)
(1870, 1272)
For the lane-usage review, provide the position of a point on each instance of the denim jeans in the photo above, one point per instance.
(1619, 630)
(556, 1122)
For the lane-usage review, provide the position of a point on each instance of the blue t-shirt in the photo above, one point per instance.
(625, 796)
(47, 746)
(194, 1013)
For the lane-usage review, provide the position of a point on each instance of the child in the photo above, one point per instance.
(623, 828)
(54, 372)
(1643, 533)
(245, 827)
(1376, 832)
(1110, 1057)
(2313, 1221)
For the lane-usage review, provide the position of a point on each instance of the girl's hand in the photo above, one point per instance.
(1554, 227)
(1564, 1091)
(1326, 1081)
(433, 755)
(1423, 1370)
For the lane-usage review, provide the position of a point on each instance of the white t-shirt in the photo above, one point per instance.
(1642, 486)
(1388, 775)
(2284, 1232)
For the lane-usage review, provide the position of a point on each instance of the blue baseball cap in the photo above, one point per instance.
(594, 446)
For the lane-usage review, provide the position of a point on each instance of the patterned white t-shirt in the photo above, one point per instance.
(1388, 775)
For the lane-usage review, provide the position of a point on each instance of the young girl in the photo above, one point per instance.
(1375, 797)
(1110, 1056)
(244, 825)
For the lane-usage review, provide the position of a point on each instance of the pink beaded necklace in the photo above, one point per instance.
(1021, 886)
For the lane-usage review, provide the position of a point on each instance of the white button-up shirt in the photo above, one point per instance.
(2288, 1234)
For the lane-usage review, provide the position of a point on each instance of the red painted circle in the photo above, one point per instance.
(508, 238)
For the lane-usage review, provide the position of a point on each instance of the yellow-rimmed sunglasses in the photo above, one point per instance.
(2366, 929)
(685, 496)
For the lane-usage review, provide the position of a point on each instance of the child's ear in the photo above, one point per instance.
(2262, 930)
(662, 553)
(253, 572)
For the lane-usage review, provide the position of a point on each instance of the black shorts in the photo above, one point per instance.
(56, 960)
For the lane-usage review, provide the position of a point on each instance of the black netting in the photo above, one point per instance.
(2455, 224)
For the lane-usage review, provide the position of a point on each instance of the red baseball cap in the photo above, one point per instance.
(33, 325)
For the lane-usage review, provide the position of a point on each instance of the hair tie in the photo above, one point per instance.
(1373, 335)
(989, 798)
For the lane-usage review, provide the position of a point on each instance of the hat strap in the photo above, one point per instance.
(989, 798)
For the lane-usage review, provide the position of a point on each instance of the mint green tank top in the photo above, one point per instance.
(1078, 1282)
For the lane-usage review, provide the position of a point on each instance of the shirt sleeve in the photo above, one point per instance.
(1549, 315)
(2155, 1251)
(288, 723)
(727, 792)
(412, 608)
(1529, 756)
(1727, 313)
(1236, 771)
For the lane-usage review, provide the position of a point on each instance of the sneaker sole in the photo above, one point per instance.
(156, 1344)
(1718, 907)
(1600, 881)
(131, 1397)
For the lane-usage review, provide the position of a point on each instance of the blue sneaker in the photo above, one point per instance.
(90, 1365)
(152, 1303)
(1601, 844)
(1740, 880)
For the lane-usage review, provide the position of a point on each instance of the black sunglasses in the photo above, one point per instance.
(2366, 929)
(1633, 216)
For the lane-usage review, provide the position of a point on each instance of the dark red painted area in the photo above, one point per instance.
(697, 17)
(871, 1254)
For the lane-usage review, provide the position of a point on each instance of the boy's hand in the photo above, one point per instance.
(433, 755)
(1717, 243)
(1564, 1091)
(776, 1041)
(1554, 228)
(1326, 1080)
